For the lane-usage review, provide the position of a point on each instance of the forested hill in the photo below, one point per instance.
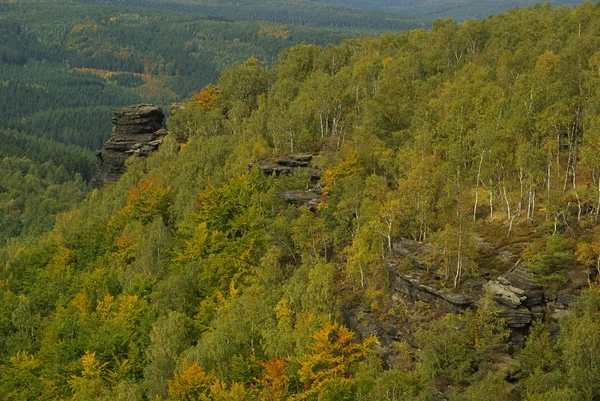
(457, 9)
(446, 163)
(300, 12)
(65, 67)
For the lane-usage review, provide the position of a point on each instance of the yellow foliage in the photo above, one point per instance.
(80, 303)
(125, 310)
(193, 383)
(190, 383)
(24, 361)
(129, 309)
(330, 356)
(104, 307)
(347, 167)
(195, 246)
(144, 201)
(61, 258)
(92, 368)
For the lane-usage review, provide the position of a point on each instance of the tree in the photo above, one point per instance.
(579, 341)
(274, 383)
(588, 254)
(169, 338)
(549, 258)
(330, 358)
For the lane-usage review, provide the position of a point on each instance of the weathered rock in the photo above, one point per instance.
(521, 278)
(287, 165)
(411, 286)
(505, 294)
(538, 312)
(533, 298)
(516, 317)
(309, 199)
(138, 131)
(565, 298)
(557, 311)
(579, 279)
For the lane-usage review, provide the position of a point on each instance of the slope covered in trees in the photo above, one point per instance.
(458, 9)
(65, 67)
(191, 279)
(301, 12)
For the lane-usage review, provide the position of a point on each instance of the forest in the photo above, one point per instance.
(443, 161)
(65, 67)
(299, 12)
(431, 9)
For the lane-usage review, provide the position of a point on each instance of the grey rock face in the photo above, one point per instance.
(284, 165)
(310, 199)
(138, 131)
(287, 165)
(505, 294)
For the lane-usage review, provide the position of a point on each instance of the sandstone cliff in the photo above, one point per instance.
(138, 131)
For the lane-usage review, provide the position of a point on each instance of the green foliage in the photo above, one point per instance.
(190, 278)
(454, 346)
(549, 258)
(492, 387)
(579, 339)
(442, 9)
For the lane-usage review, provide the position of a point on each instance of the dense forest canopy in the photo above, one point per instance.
(65, 67)
(301, 12)
(192, 279)
(458, 9)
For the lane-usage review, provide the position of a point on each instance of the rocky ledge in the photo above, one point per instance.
(285, 165)
(138, 131)
(289, 164)
(518, 294)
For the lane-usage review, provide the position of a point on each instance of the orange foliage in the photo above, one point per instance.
(144, 201)
(277, 31)
(194, 384)
(207, 98)
(80, 303)
(274, 382)
(126, 246)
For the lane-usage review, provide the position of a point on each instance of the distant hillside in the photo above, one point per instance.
(301, 12)
(458, 9)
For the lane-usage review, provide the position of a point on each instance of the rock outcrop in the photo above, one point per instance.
(288, 164)
(285, 165)
(138, 131)
(518, 294)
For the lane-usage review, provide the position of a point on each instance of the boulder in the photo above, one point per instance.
(505, 294)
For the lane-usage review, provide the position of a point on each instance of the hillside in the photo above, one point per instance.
(300, 12)
(457, 9)
(64, 67)
(412, 216)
